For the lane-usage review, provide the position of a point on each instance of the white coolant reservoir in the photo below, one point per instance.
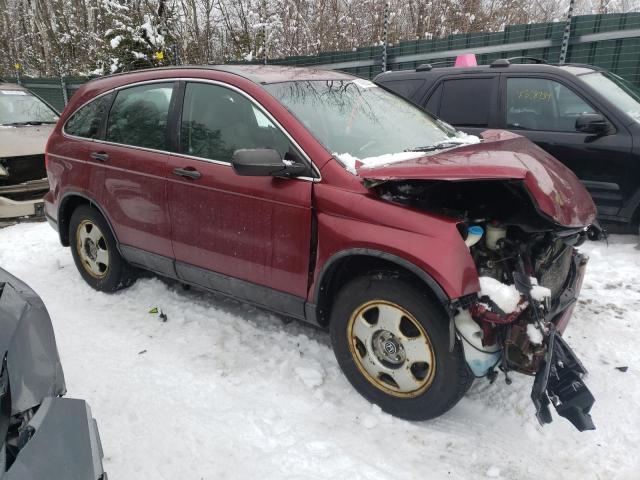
(474, 234)
(480, 358)
(495, 232)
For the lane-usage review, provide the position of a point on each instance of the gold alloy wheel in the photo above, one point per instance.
(391, 349)
(92, 249)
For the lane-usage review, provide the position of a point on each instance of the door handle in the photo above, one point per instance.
(100, 156)
(188, 172)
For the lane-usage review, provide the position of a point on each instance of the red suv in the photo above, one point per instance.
(432, 256)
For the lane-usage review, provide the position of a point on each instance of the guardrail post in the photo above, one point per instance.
(65, 95)
(566, 34)
(18, 67)
(385, 36)
(264, 32)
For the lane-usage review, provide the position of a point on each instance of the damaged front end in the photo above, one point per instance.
(529, 286)
(530, 273)
(43, 435)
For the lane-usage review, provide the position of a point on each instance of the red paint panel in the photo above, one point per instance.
(69, 169)
(257, 229)
(352, 220)
(134, 196)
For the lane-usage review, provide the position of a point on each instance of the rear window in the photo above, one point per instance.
(467, 102)
(87, 121)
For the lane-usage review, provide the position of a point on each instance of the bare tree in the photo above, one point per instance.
(78, 37)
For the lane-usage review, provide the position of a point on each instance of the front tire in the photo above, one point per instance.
(95, 251)
(391, 340)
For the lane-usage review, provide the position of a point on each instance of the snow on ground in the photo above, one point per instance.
(224, 390)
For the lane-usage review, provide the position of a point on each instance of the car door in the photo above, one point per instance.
(545, 109)
(134, 155)
(245, 236)
(81, 131)
(467, 103)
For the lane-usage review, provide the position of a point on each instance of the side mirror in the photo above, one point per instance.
(264, 162)
(593, 123)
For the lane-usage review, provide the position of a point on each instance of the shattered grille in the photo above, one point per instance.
(555, 276)
(23, 169)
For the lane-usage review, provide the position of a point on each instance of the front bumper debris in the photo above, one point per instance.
(12, 208)
(491, 338)
(64, 444)
(559, 381)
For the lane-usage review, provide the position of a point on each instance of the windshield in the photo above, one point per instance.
(617, 90)
(358, 121)
(19, 107)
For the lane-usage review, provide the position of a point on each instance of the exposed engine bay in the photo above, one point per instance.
(530, 273)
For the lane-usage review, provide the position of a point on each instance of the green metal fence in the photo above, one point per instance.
(610, 41)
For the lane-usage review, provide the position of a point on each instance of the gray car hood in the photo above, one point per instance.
(23, 140)
(28, 342)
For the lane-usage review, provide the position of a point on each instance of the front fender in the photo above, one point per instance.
(442, 256)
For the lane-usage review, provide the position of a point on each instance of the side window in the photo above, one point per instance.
(87, 121)
(433, 104)
(468, 102)
(138, 116)
(216, 121)
(542, 104)
(404, 88)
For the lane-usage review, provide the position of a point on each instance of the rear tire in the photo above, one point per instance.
(95, 251)
(408, 371)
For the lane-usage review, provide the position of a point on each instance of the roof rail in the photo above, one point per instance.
(505, 62)
(425, 67)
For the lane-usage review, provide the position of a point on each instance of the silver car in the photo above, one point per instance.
(25, 124)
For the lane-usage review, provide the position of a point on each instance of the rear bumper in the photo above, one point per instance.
(22, 208)
(65, 443)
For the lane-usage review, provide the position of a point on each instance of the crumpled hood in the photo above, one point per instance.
(27, 340)
(502, 155)
(23, 140)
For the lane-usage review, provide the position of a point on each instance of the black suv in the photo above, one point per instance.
(586, 117)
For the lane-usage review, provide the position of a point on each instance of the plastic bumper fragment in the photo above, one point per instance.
(559, 381)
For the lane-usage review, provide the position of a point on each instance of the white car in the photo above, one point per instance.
(25, 124)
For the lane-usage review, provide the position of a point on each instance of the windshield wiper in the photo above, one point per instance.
(441, 145)
(435, 146)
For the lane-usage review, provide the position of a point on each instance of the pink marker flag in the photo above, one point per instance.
(466, 60)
